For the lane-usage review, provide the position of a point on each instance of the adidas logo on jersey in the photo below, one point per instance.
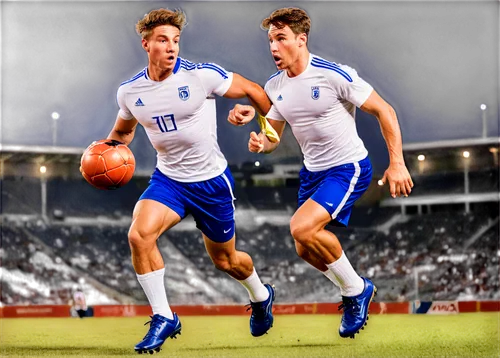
(139, 103)
(279, 98)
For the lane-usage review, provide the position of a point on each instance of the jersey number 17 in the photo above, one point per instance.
(166, 123)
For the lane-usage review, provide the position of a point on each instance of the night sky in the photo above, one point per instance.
(435, 62)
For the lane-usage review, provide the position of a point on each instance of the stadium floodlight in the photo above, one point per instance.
(43, 169)
(483, 107)
(380, 182)
(421, 157)
(55, 116)
(466, 154)
(257, 163)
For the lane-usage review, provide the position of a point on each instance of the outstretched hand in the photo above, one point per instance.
(399, 179)
(241, 114)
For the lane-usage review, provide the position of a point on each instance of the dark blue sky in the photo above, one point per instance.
(435, 62)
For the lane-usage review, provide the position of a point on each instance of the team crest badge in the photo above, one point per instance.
(315, 92)
(184, 93)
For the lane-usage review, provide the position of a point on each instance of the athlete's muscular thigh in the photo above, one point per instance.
(151, 218)
(308, 219)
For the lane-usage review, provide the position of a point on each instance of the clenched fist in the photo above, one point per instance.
(256, 142)
(241, 114)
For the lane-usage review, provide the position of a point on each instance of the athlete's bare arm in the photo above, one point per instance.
(400, 182)
(241, 87)
(123, 130)
(259, 143)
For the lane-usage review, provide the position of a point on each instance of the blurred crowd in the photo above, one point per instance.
(438, 256)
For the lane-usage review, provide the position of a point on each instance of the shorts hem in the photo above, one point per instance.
(167, 204)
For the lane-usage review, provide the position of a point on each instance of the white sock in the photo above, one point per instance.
(349, 281)
(154, 287)
(331, 276)
(256, 289)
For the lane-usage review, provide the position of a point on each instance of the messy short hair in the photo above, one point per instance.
(159, 17)
(297, 19)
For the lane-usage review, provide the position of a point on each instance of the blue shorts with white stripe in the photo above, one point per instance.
(210, 202)
(336, 189)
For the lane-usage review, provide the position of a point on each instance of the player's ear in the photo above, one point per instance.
(145, 45)
(302, 39)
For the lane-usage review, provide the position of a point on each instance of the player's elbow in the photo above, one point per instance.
(391, 111)
(386, 113)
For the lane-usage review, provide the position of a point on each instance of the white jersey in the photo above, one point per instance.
(79, 301)
(320, 105)
(179, 117)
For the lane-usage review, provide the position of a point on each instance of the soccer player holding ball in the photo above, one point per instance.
(173, 99)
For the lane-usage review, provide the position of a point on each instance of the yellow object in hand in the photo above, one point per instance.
(267, 129)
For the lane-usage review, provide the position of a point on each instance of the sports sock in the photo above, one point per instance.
(153, 285)
(256, 289)
(329, 275)
(349, 281)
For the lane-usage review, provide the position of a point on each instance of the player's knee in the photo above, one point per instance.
(301, 232)
(138, 240)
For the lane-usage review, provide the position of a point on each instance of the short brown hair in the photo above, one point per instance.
(297, 19)
(159, 17)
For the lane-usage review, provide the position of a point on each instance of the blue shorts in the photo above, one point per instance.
(336, 189)
(210, 202)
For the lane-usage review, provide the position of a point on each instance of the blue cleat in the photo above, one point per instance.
(160, 329)
(262, 318)
(355, 309)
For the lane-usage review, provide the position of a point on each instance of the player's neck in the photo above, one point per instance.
(299, 65)
(157, 74)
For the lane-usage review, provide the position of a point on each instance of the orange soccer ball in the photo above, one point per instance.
(107, 164)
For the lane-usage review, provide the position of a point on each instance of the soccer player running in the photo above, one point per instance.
(173, 99)
(318, 98)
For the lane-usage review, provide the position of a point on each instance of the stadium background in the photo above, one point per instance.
(437, 63)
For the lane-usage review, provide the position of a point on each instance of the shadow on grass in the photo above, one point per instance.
(105, 351)
(285, 346)
(64, 350)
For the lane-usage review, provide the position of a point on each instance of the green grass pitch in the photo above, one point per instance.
(462, 335)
